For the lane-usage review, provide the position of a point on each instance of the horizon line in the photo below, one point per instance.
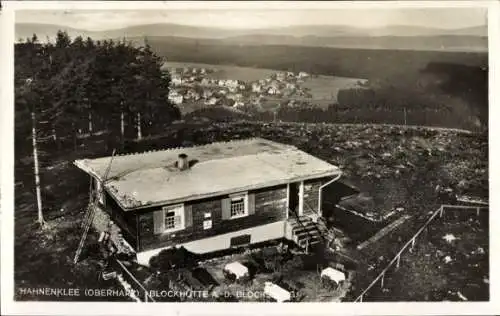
(260, 28)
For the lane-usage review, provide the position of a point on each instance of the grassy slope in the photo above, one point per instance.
(357, 149)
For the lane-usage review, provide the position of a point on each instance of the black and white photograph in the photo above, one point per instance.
(293, 151)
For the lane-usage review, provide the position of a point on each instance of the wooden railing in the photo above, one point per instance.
(131, 278)
(411, 243)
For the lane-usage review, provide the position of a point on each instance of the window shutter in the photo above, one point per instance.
(251, 203)
(177, 221)
(188, 216)
(226, 208)
(159, 221)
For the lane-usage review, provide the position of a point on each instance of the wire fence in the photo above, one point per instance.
(411, 244)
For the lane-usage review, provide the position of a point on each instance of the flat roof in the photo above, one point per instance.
(151, 178)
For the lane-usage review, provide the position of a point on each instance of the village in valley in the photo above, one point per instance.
(141, 175)
(196, 85)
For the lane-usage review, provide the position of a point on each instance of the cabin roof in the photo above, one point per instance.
(151, 178)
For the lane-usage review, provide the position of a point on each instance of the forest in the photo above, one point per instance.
(77, 87)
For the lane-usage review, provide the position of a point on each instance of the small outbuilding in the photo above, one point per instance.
(237, 270)
(276, 292)
(332, 278)
(333, 274)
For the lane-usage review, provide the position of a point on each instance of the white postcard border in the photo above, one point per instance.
(11, 307)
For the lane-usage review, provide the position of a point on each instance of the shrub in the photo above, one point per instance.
(173, 258)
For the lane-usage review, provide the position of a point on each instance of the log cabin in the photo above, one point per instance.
(212, 197)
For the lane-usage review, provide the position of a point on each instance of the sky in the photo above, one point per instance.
(446, 18)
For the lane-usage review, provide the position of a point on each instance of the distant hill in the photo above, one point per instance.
(393, 30)
(433, 43)
(44, 31)
(391, 37)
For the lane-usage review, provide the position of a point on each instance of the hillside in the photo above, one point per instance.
(354, 63)
(390, 37)
(420, 43)
(388, 163)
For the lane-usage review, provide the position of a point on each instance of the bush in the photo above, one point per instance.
(296, 263)
(329, 284)
(173, 258)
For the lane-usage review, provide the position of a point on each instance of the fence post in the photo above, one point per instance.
(412, 244)
(477, 211)
(397, 262)
(441, 211)
(361, 298)
(382, 281)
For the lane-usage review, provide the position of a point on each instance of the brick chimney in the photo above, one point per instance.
(182, 162)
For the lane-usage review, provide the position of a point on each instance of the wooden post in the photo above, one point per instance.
(405, 115)
(441, 212)
(397, 262)
(122, 124)
(36, 170)
(477, 211)
(90, 122)
(382, 281)
(361, 298)
(139, 132)
(91, 191)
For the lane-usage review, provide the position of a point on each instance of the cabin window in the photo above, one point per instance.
(174, 217)
(207, 223)
(239, 206)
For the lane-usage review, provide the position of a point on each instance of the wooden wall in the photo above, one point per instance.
(127, 221)
(270, 206)
(311, 194)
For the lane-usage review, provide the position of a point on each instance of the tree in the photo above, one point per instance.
(103, 84)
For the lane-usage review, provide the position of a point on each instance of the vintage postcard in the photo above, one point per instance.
(308, 153)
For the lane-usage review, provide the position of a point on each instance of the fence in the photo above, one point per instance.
(134, 281)
(411, 243)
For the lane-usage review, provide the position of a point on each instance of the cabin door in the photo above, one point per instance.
(295, 199)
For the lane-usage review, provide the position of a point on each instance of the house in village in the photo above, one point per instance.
(175, 97)
(206, 94)
(256, 87)
(205, 82)
(176, 80)
(235, 96)
(238, 104)
(281, 76)
(213, 197)
(211, 101)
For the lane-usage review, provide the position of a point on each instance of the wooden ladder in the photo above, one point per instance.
(89, 213)
(89, 216)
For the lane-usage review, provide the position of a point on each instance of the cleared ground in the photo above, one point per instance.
(328, 87)
(389, 163)
(449, 262)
